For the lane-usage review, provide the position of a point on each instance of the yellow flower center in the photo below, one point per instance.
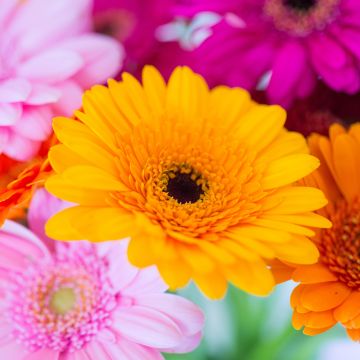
(340, 245)
(62, 301)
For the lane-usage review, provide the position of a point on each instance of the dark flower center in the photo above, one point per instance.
(302, 5)
(184, 187)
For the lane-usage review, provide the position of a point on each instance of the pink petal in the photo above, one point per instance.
(42, 206)
(43, 94)
(102, 56)
(19, 247)
(131, 351)
(12, 351)
(14, 90)
(147, 281)
(121, 273)
(147, 327)
(76, 355)
(42, 355)
(21, 148)
(6, 8)
(60, 23)
(70, 99)
(9, 114)
(189, 344)
(35, 123)
(51, 66)
(287, 72)
(187, 315)
(334, 64)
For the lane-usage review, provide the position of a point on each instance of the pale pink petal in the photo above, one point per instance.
(130, 351)
(43, 94)
(19, 247)
(6, 9)
(21, 148)
(43, 354)
(51, 66)
(12, 351)
(9, 114)
(147, 327)
(59, 20)
(42, 206)
(35, 123)
(76, 355)
(187, 315)
(121, 273)
(14, 90)
(147, 281)
(102, 56)
(70, 99)
(189, 344)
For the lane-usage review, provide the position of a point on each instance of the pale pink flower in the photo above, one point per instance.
(82, 301)
(48, 56)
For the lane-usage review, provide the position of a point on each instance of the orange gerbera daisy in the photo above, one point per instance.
(202, 181)
(18, 181)
(330, 290)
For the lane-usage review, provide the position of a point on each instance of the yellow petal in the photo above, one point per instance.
(288, 169)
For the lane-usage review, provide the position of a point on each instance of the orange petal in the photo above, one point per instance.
(320, 320)
(315, 273)
(312, 332)
(298, 320)
(354, 334)
(325, 296)
(349, 309)
(213, 285)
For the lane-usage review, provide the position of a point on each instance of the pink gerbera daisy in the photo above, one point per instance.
(80, 301)
(48, 56)
(282, 45)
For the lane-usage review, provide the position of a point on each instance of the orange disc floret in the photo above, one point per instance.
(204, 181)
(330, 290)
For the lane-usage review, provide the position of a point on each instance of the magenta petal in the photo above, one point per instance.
(147, 327)
(334, 64)
(287, 71)
(14, 90)
(187, 315)
(51, 66)
(10, 114)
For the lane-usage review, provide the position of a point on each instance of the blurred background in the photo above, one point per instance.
(244, 327)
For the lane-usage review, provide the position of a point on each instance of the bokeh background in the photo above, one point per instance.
(244, 327)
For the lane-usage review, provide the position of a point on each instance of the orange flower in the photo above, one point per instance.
(204, 181)
(18, 181)
(329, 290)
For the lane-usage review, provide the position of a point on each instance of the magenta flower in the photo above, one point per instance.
(135, 23)
(48, 56)
(282, 44)
(81, 301)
